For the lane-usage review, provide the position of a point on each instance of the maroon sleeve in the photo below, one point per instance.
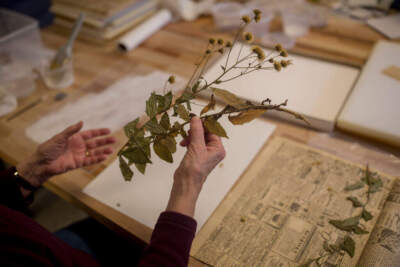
(10, 192)
(170, 242)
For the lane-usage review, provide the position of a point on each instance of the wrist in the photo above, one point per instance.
(183, 198)
(29, 170)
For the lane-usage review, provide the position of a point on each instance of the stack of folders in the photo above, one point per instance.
(104, 19)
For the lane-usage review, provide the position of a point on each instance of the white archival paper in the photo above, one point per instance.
(112, 108)
(146, 196)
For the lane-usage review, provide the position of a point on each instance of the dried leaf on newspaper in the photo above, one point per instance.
(349, 246)
(366, 215)
(355, 201)
(354, 186)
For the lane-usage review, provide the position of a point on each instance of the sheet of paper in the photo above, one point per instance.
(383, 247)
(314, 88)
(146, 196)
(389, 26)
(114, 107)
(278, 214)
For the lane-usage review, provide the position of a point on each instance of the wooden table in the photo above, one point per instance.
(175, 49)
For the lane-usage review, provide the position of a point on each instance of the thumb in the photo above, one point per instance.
(71, 130)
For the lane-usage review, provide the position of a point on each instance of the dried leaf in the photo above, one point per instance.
(354, 186)
(141, 167)
(209, 106)
(164, 102)
(183, 113)
(130, 128)
(163, 152)
(246, 116)
(349, 246)
(229, 98)
(347, 224)
(153, 126)
(366, 215)
(186, 96)
(359, 231)
(136, 155)
(125, 170)
(151, 105)
(213, 126)
(327, 248)
(355, 201)
(170, 143)
(165, 122)
(189, 106)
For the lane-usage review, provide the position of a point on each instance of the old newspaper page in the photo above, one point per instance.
(278, 212)
(383, 247)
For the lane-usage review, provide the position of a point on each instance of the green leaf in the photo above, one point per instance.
(354, 186)
(195, 87)
(366, 215)
(125, 170)
(155, 128)
(246, 116)
(163, 152)
(355, 201)
(186, 96)
(164, 102)
(229, 98)
(136, 155)
(183, 113)
(130, 128)
(165, 122)
(151, 105)
(213, 126)
(359, 231)
(349, 246)
(170, 143)
(141, 167)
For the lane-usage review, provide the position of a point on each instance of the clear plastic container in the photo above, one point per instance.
(58, 78)
(20, 51)
(296, 22)
(227, 15)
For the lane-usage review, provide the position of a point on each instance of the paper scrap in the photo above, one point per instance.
(393, 72)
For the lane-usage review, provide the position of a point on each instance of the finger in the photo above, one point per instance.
(197, 132)
(91, 144)
(103, 151)
(93, 160)
(95, 133)
(185, 142)
(71, 130)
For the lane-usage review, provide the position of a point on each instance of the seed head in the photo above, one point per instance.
(211, 41)
(257, 12)
(220, 41)
(208, 51)
(228, 44)
(284, 63)
(277, 66)
(271, 60)
(257, 18)
(171, 79)
(284, 53)
(248, 36)
(259, 52)
(246, 19)
(278, 47)
(221, 50)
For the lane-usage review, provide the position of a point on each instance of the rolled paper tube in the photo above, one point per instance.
(139, 34)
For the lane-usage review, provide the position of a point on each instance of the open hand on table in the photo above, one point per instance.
(66, 151)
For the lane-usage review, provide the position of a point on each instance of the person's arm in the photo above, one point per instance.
(65, 151)
(175, 229)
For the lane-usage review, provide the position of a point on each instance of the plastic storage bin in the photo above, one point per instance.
(20, 51)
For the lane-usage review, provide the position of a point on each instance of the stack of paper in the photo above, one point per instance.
(104, 19)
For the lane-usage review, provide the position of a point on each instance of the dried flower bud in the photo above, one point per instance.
(248, 36)
(259, 52)
(257, 12)
(278, 47)
(257, 18)
(208, 51)
(228, 44)
(284, 53)
(284, 63)
(221, 50)
(246, 19)
(220, 41)
(271, 60)
(277, 66)
(171, 79)
(211, 41)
